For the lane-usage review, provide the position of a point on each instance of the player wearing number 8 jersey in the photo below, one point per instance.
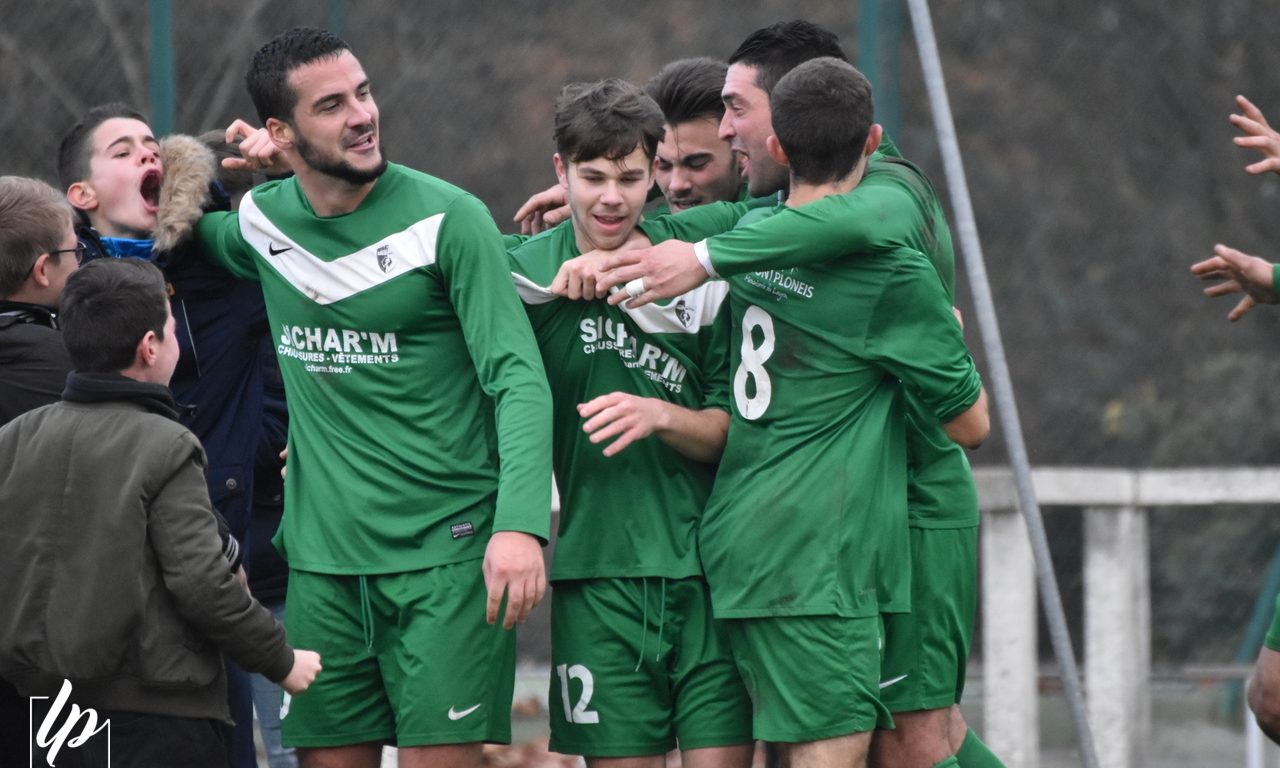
(812, 487)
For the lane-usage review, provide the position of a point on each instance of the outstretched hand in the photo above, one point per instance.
(1240, 273)
(1259, 135)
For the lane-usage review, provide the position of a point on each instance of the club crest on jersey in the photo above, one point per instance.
(384, 257)
(683, 313)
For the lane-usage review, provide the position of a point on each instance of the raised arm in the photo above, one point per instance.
(881, 212)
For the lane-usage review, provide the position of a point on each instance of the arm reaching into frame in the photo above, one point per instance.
(1259, 135)
(1240, 273)
(543, 210)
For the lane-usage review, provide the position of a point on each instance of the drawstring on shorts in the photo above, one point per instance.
(366, 614)
(644, 622)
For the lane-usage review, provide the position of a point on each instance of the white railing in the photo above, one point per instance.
(1117, 598)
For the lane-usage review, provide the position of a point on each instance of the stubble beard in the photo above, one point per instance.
(338, 168)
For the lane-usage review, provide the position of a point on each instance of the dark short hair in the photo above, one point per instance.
(76, 147)
(822, 113)
(689, 89)
(34, 218)
(608, 119)
(777, 49)
(106, 309)
(268, 75)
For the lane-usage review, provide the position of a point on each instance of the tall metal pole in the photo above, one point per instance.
(336, 16)
(998, 371)
(879, 35)
(162, 67)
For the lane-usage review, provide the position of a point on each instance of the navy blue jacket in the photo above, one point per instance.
(221, 323)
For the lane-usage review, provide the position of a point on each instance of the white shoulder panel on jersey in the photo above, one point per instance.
(532, 293)
(686, 313)
(328, 281)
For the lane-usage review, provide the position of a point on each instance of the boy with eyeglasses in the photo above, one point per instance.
(38, 251)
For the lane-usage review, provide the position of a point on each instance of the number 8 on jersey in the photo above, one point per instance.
(752, 366)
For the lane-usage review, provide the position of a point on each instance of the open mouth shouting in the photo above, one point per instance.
(150, 189)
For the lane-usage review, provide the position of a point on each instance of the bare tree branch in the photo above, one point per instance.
(127, 50)
(230, 74)
(45, 76)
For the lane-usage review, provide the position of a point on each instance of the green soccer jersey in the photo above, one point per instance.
(893, 206)
(808, 515)
(419, 411)
(744, 197)
(636, 513)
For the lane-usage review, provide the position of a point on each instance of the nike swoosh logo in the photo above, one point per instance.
(277, 251)
(886, 683)
(456, 715)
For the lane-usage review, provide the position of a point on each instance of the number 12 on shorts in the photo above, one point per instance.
(577, 713)
(751, 369)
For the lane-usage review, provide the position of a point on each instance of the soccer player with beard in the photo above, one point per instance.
(420, 423)
(813, 482)
(694, 165)
(893, 206)
(640, 666)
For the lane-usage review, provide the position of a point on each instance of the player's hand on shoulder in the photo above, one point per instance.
(578, 277)
(306, 665)
(543, 210)
(257, 151)
(513, 566)
(662, 271)
(1258, 134)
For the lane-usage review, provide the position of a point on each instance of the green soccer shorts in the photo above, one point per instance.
(639, 666)
(926, 651)
(810, 677)
(408, 659)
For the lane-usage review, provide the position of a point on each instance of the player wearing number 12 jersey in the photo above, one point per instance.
(639, 665)
(812, 487)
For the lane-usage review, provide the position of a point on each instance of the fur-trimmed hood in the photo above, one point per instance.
(189, 170)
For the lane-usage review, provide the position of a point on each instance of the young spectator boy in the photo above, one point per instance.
(122, 588)
(139, 197)
(38, 251)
